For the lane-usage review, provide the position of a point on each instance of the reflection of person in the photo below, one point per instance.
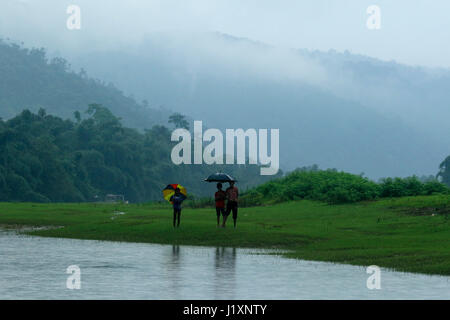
(220, 197)
(175, 252)
(176, 200)
(225, 273)
(232, 205)
(225, 259)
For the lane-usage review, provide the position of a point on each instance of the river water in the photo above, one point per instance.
(35, 268)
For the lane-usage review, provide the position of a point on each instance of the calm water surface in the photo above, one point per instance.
(35, 268)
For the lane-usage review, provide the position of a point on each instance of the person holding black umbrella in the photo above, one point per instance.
(220, 197)
(232, 195)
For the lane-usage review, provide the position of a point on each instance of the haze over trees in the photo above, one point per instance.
(179, 121)
(339, 110)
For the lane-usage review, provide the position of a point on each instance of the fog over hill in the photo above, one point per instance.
(31, 80)
(339, 110)
(253, 64)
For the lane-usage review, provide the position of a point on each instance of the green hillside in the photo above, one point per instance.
(30, 80)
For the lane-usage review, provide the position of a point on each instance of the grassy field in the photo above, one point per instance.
(406, 234)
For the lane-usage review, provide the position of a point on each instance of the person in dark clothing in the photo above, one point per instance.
(220, 197)
(232, 205)
(176, 200)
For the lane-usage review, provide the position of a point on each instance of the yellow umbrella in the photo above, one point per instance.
(169, 191)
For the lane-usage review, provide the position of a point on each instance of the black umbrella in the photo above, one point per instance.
(220, 177)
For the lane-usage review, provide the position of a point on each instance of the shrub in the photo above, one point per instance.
(336, 187)
(328, 185)
(435, 187)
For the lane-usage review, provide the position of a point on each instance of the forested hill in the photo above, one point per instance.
(45, 158)
(29, 80)
(345, 112)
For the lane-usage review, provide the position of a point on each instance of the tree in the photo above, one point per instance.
(42, 113)
(444, 171)
(179, 121)
(77, 116)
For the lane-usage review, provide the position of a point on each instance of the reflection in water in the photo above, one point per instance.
(225, 268)
(173, 275)
(35, 268)
(175, 255)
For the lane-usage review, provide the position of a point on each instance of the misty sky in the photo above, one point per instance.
(412, 32)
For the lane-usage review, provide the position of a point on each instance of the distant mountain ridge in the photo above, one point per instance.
(420, 96)
(341, 111)
(29, 80)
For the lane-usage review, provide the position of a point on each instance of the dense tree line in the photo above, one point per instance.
(45, 158)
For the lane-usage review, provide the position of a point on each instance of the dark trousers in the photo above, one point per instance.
(176, 215)
(220, 211)
(232, 206)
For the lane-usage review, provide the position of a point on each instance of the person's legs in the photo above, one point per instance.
(218, 210)
(235, 212)
(223, 211)
(225, 214)
(174, 217)
(179, 217)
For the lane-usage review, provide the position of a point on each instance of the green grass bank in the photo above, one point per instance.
(405, 234)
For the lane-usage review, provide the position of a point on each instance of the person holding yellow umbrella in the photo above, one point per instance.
(175, 194)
